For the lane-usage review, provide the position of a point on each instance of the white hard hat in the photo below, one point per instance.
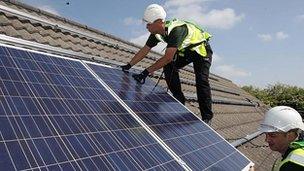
(154, 12)
(281, 118)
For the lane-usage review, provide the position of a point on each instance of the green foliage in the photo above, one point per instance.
(279, 94)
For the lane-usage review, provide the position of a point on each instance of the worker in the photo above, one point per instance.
(186, 43)
(282, 126)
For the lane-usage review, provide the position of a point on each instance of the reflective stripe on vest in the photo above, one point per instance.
(195, 35)
(296, 156)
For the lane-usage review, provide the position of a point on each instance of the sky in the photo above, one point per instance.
(255, 42)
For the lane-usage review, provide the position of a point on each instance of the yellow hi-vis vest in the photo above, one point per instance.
(195, 35)
(295, 156)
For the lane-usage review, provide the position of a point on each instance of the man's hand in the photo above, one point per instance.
(141, 78)
(125, 68)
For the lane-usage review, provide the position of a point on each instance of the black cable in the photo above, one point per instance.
(173, 68)
(255, 145)
(174, 60)
(158, 81)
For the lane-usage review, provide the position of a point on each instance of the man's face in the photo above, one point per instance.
(155, 27)
(277, 141)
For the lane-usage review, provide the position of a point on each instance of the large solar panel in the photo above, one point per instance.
(62, 114)
(55, 115)
(194, 142)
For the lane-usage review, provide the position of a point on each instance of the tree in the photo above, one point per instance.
(279, 95)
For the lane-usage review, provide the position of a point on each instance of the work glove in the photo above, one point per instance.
(125, 68)
(141, 78)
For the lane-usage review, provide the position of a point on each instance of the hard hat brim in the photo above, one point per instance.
(267, 128)
(301, 126)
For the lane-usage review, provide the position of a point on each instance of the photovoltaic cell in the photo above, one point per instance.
(55, 115)
(198, 145)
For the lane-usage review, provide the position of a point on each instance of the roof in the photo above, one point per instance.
(236, 113)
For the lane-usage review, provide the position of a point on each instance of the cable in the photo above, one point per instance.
(173, 68)
(158, 81)
(255, 145)
(174, 60)
(247, 141)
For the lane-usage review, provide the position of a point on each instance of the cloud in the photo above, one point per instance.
(223, 19)
(300, 18)
(265, 37)
(216, 58)
(141, 41)
(281, 35)
(49, 9)
(230, 71)
(173, 3)
(131, 21)
(197, 11)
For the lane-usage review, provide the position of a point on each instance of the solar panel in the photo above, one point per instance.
(55, 115)
(62, 114)
(194, 142)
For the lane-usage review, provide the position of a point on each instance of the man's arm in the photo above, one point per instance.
(175, 38)
(167, 58)
(151, 42)
(140, 55)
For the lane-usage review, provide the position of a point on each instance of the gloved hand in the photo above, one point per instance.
(141, 78)
(125, 68)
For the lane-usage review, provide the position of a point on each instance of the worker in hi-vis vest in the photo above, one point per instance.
(282, 126)
(186, 43)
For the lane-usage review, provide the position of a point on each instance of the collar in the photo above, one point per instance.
(293, 145)
(166, 31)
(287, 152)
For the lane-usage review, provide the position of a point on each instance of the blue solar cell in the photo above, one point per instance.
(68, 166)
(56, 115)
(6, 61)
(17, 155)
(35, 153)
(44, 150)
(2, 107)
(4, 73)
(15, 124)
(196, 144)
(56, 150)
(6, 129)
(28, 154)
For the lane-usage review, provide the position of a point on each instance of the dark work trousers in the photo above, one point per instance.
(201, 67)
